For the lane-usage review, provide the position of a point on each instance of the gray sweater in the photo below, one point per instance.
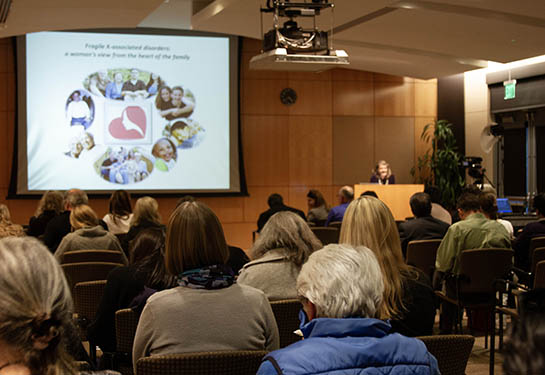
(94, 238)
(273, 273)
(185, 320)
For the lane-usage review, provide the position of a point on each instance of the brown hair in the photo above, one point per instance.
(318, 198)
(120, 204)
(368, 222)
(194, 238)
(146, 209)
(83, 216)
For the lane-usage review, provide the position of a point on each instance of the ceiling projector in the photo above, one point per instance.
(295, 48)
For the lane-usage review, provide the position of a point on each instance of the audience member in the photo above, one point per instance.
(59, 226)
(146, 215)
(437, 210)
(317, 208)
(35, 311)
(474, 231)
(283, 246)
(341, 289)
(276, 204)
(345, 195)
(382, 174)
(521, 245)
(146, 269)
(49, 206)
(408, 297)
(524, 352)
(371, 193)
(208, 311)
(424, 226)
(7, 228)
(489, 208)
(120, 214)
(88, 234)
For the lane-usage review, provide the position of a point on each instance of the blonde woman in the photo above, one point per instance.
(408, 296)
(145, 215)
(87, 234)
(50, 206)
(7, 228)
(382, 174)
(284, 244)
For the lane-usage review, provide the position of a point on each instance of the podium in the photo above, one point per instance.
(396, 196)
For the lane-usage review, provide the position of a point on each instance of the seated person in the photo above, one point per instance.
(134, 88)
(345, 196)
(317, 208)
(437, 211)
(282, 247)
(276, 204)
(7, 228)
(341, 290)
(424, 226)
(114, 89)
(489, 208)
(382, 174)
(208, 311)
(50, 206)
(119, 217)
(521, 245)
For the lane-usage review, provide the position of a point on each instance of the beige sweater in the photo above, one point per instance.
(185, 320)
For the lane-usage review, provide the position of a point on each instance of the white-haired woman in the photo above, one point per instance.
(7, 228)
(284, 244)
(341, 290)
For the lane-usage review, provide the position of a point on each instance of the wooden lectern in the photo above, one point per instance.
(395, 196)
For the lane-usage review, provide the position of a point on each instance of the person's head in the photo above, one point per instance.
(467, 204)
(76, 96)
(35, 307)
(163, 97)
(195, 239)
(315, 199)
(434, 193)
(74, 197)
(488, 204)
(146, 209)
(420, 204)
(134, 74)
(370, 193)
(345, 194)
(83, 216)
(51, 201)
(382, 169)
(120, 203)
(286, 230)
(185, 198)
(275, 200)
(524, 352)
(164, 149)
(75, 147)
(87, 141)
(177, 95)
(471, 189)
(369, 222)
(147, 255)
(180, 131)
(103, 75)
(4, 213)
(539, 204)
(118, 77)
(341, 281)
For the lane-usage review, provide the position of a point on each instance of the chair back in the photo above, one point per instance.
(126, 322)
(326, 235)
(451, 351)
(480, 268)
(535, 243)
(239, 362)
(539, 275)
(87, 297)
(336, 224)
(538, 255)
(421, 254)
(88, 271)
(81, 256)
(286, 313)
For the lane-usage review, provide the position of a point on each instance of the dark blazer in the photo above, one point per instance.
(56, 229)
(265, 216)
(37, 225)
(422, 228)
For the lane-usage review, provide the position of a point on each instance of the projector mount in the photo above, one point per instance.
(290, 36)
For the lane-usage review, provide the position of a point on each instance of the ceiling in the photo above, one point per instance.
(422, 39)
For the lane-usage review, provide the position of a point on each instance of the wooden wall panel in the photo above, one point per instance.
(266, 150)
(394, 142)
(310, 76)
(313, 98)
(262, 97)
(353, 145)
(5, 158)
(310, 150)
(341, 74)
(394, 99)
(380, 77)
(228, 210)
(420, 147)
(239, 234)
(353, 98)
(425, 97)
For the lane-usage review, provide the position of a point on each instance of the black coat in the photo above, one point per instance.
(422, 228)
(265, 216)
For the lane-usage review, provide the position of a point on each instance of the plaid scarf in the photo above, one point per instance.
(216, 276)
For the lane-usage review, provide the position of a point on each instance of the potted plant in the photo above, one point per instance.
(439, 166)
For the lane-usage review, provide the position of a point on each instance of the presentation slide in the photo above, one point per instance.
(127, 111)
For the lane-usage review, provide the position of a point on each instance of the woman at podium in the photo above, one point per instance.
(382, 174)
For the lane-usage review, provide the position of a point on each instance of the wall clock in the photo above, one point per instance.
(288, 96)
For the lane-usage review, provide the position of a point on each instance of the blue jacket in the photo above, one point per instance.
(351, 346)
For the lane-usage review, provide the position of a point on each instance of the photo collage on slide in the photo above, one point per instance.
(133, 100)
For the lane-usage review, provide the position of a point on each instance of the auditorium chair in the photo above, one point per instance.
(451, 351)
(326, 235)
(82, 256)
(286, 313)
(87, 271)
(421, 254)
(126, 321)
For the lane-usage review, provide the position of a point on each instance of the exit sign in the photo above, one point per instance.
(509, 87)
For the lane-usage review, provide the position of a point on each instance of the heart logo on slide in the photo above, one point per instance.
(131, 124)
